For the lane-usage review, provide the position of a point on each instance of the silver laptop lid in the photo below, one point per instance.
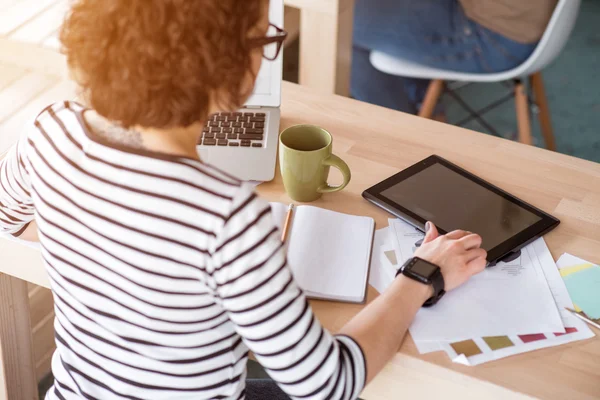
(267, 89)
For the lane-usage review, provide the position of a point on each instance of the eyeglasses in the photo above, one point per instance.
(271, 43)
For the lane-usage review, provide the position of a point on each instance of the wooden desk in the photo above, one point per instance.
(377, 143)
(325, 44)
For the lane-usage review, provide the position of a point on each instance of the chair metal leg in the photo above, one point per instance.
(434, 91)
(522, 108)
(537, 84)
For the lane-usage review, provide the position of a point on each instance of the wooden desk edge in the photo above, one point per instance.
(411, 378)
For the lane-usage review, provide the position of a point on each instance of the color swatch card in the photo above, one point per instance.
(509, 298)
(582, 279)
(481, 350)
(388, 256)
(484, 349)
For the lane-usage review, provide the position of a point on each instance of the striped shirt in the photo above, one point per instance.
(165, 273)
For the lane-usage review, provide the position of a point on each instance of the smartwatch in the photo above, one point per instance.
(426, 273)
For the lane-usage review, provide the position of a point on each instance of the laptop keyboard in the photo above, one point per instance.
(238, 129)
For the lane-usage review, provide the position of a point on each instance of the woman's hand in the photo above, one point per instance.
(458, 254)
(380, 327)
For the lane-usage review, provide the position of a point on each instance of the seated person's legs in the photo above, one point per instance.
(432, 32)
(375, 87)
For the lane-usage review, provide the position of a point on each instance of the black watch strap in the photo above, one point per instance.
(438, 289)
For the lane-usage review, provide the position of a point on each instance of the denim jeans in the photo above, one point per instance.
(436, 33)
(264, 389)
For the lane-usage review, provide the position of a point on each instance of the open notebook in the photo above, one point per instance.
(329, 252)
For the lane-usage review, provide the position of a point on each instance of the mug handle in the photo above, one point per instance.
(335, 161)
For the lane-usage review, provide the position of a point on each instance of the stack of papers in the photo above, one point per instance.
(583, 281)
(508, 309)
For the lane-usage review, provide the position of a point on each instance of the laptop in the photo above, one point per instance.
(244, 143)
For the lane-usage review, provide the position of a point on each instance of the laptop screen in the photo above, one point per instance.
(263, 81)
(267, 89)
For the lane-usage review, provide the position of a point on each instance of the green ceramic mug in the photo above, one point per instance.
(305, 156)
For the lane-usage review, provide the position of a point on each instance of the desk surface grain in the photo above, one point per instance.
(377, 143)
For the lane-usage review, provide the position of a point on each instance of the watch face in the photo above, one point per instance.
(422, 268)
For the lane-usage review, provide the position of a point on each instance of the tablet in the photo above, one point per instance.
(452, 198)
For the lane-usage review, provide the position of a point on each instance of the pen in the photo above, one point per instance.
(288, 219)
(583, 317)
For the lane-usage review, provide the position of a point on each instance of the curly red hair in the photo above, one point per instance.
(156, 63)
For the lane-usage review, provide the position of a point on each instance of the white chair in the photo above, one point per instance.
(551, 44)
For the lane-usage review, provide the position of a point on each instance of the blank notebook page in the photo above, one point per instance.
(330, 252)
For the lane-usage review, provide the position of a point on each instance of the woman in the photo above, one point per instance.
(479, 36)
(165, 271)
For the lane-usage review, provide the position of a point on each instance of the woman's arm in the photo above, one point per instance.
(16, 206)
(380, 327)
(254, 284)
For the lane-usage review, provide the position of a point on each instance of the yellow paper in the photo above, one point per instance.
(575, 268)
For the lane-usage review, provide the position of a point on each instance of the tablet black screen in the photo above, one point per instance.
(453, 201)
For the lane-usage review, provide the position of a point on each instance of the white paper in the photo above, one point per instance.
(328, 251)
(550, 339)
(382, 272)
(568, 260)
(406, 236)
(562, 298)
(461, 359)
(424, 347)
(493, 304)
(511, 298)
